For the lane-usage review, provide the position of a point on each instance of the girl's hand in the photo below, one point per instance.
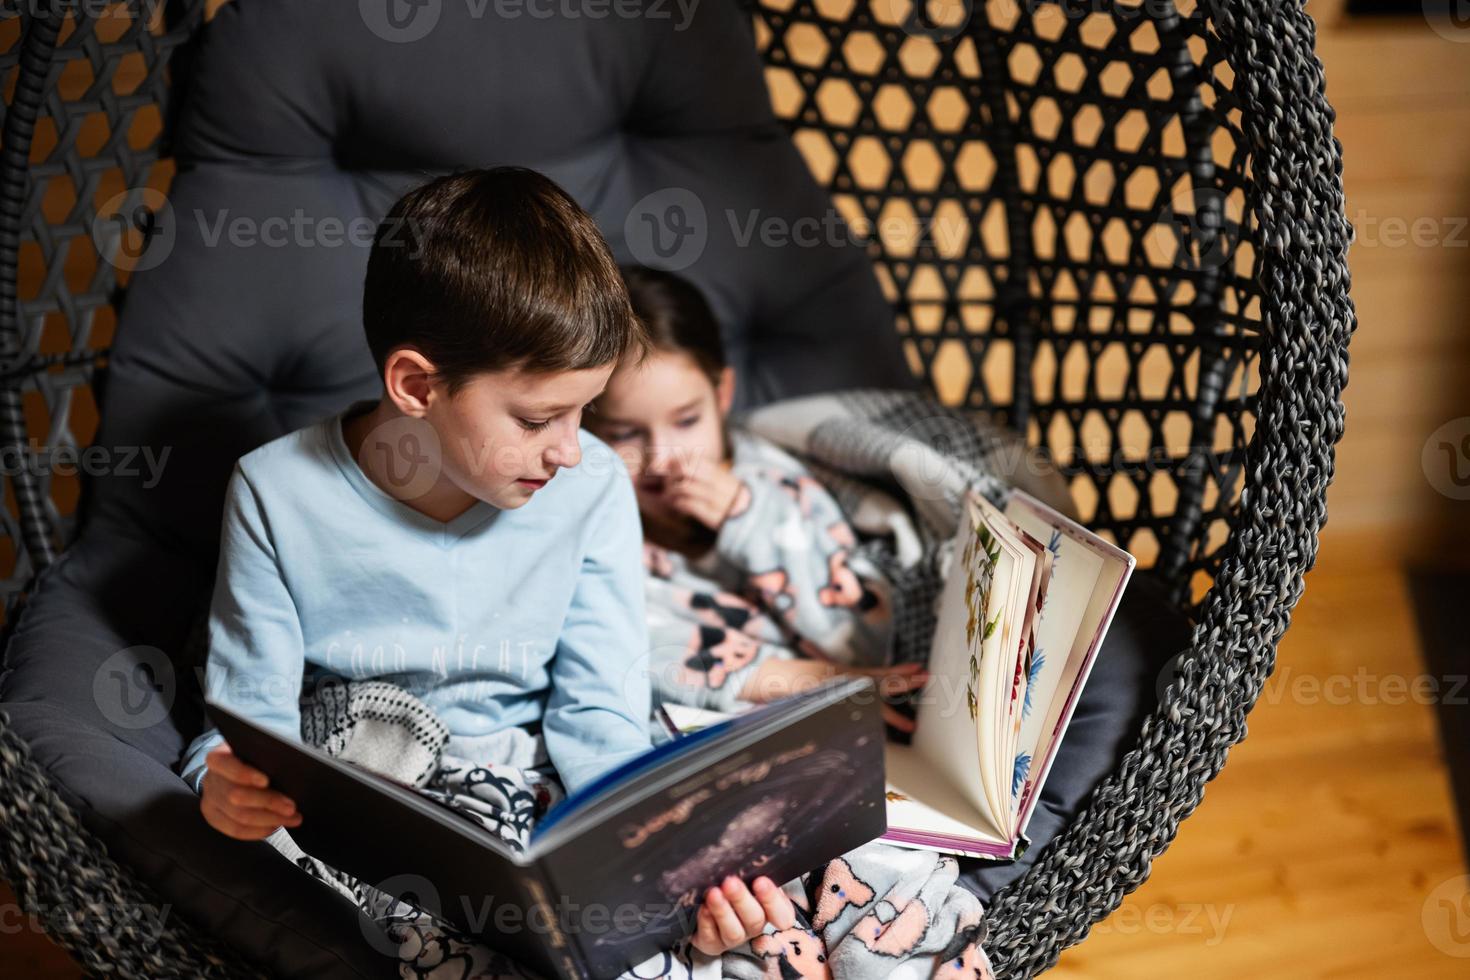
(731, 915)
(705, 493)
(234, 800)
(775, 679)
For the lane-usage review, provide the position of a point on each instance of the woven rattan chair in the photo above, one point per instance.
(1131, 246)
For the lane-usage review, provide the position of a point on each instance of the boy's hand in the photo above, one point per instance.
(730, 915)
(775, 679)
(705, 493)
(234, 800)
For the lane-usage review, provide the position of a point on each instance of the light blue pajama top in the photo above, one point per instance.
(496, 618)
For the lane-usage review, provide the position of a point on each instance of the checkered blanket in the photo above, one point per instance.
(898, 464)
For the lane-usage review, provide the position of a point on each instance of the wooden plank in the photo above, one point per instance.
(1315, 852)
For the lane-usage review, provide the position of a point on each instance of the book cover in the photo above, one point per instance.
(613, 874)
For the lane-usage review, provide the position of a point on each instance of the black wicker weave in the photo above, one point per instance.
(1118, 225)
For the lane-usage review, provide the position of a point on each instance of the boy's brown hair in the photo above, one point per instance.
(489, 270)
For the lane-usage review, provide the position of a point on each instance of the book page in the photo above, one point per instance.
(926, 810)
(1086, 579)
(1025, 612)
(948, 720)
(1018, 564)
(995, 676)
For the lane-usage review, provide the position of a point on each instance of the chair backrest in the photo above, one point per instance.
(292, 128)
(1059, 200)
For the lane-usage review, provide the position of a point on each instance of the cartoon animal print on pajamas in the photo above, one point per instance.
(728, 610)
(847, 588)
(792, 954)
(839, 890)
(801, 487)
(715, 654)
(890, 931)
(963, 958)
(775, 589)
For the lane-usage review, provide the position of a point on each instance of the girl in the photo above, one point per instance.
(753, 586)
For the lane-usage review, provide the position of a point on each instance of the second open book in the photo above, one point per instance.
(1027, 599)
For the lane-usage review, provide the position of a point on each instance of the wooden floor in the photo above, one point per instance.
(1327, 848)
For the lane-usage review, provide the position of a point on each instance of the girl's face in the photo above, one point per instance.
(665, 419)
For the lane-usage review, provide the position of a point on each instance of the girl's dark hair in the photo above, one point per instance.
(676, 317)
(487, 270)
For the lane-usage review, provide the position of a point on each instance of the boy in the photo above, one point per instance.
(430, 538)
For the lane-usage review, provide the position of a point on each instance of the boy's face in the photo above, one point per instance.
(508, 432)
(664, 418)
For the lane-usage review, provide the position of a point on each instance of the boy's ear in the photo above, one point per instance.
(407, 376)
(725, 390)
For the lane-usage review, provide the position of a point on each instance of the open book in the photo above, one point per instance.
(615, 872)
(1027, 598)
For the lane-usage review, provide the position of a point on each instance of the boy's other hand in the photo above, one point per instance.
(235, 801)
(731, 914)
